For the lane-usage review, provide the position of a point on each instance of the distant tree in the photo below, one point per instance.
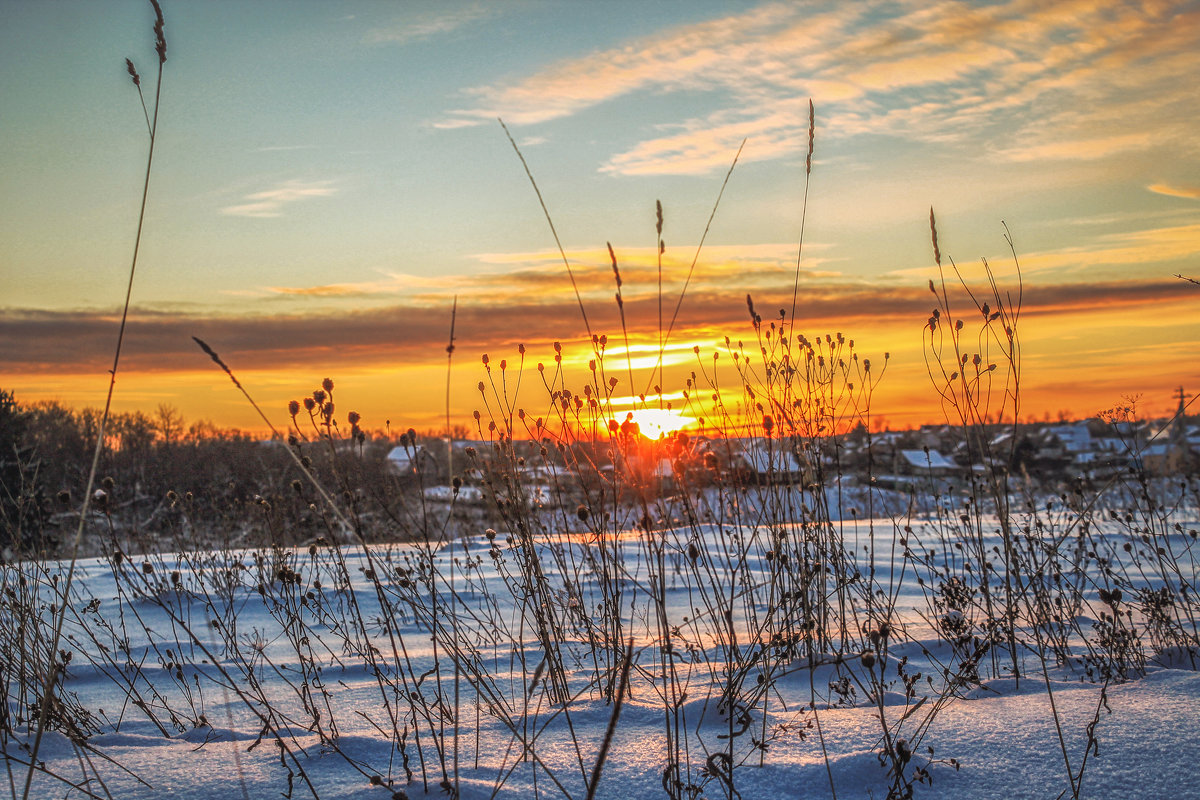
(1023, 455)
(61, 440)
(12, 423)
(12, 432)
(858, 434)
(22, 500)
(168, 423)
(134, 432)
(205, 429)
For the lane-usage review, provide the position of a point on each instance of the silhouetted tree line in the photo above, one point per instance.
(164, 482)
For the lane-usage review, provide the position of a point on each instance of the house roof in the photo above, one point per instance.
(927, 460)
(759, 458)
(404, 457)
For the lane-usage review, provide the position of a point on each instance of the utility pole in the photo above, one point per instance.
(1178, 436)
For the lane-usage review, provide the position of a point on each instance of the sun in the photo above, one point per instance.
(654, 423)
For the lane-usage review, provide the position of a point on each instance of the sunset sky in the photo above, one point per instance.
(330, 175)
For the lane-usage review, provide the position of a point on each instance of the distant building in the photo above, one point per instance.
(925, 462)
(762, 460)
(413, 462)
(1075, 437)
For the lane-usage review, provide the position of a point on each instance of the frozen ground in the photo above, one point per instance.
(227, 708)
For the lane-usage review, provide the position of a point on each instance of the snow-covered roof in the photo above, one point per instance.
(761, 458)
(1075, 437)
(404, 455)
(408, 459)
(927, 460)
(446, 494)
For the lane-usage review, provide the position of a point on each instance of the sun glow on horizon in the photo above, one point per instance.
(655, 423)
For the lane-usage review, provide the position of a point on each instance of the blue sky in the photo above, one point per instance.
(329, 175)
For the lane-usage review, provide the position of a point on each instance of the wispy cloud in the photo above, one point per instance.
(1127, 249)
(761, 267)
(339, 290)
(1111, 252)
(540, 278)
(675, 59)
(380, 291)
(1080, 149)
(1186, 192)
(271, 202)
(1025, 80)
(428, 26)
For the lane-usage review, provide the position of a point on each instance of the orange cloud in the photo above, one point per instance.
(1186, 192)
(1126, 249)
(51, 342)
(1032, 81)
(1081, 149)
(340, 290)
(1083, 346)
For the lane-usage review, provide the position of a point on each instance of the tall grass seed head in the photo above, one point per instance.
(160, 40)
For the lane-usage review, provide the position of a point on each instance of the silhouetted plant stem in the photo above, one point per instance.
(60, 616)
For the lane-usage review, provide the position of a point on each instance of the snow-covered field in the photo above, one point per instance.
(766, 662)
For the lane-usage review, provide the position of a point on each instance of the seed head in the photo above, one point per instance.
(937, 254)
(613, 258)
(812, 126)
(160, 41)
